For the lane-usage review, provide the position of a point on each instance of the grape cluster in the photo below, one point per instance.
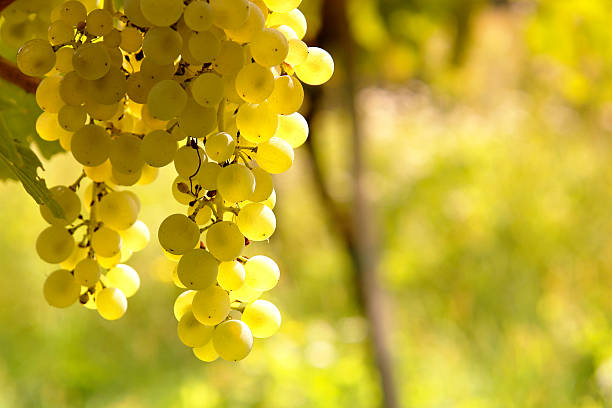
(213, 87)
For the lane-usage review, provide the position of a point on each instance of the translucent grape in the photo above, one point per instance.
(90, 145)
(158, 148)
(274, 156)
(61, 289)
(229, 14)
(182, 304)
(254, 83)
(166, 99)
(269, 47)
(134, 14)
(154, 72)
(206, 352)
(298, 52)
(131, 39)
(111, 303)
(60, 32)
(293, 129)
(99, 22)
(48, 127)
(197, 269)
(220, 146)
(125, 278)
(182, 190)
(262, 273)
(204, 46)
(294, 19)
(193, 333)
(125, 179)
(109, 89)
(138, 88)
(207, 89)
(318, 67)
(162, 13)
(87, 272)
(203, 216)
(162, 44)
(231, 275)
(263, 185)
(63, 59)
(112, 39)
(36, 58)
(118, 210)
(99, 111)
(256, 222)
(198, 15)
(196, 120)
(91, 61)
(230, 58)
(135, 238)
(257, 123)
(73, 89)
(73, 12)
(68, 200)
(262, 317)
(287, 96)
(77, 254)
(54, 244)
(177, 234)
(72, 118)
(211, 305)
(282, 6)
(207, 175)
(106, 242)
(188, 160)
(254, 23)
(245, 294)
(224, 241)
(232, 340)
(235, 183)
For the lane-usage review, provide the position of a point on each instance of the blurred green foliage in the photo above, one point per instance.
(489, 172)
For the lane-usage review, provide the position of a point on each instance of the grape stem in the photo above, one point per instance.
(10, 73)
(75, 186)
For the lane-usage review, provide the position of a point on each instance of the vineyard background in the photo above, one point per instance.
(460, 155)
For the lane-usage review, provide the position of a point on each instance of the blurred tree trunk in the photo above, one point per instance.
(355, 225)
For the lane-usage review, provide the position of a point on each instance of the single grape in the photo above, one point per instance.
(282, 6)
(206, 352)
(166, 99)
(254, 83)
(99, 22)
(36, 58)
(262, 317)
(256, 221)
(257, 123)
(269, 47)
(177, 234)
(125, 154)
(61, 289)
(158, 148)
(111, 303)
(262, 273)
(162, 13)
(191, 332)
(231, 275)
(73, 12)
(254, 23)
(293, 129)
(87, 272)
(294, 19)
(162, 44)
(182, 304)
(198, 15)
(224, 241)
(318, 67)
(229, 14)
(188, 161)
(91, 61)
(106, 242)
(287, 96)
(72, 118)
(90, 145)
(274, 156)
(54, 244)
(263, 185)
(123, 277)
(211, 305)
(197, 269)
(70, 203)
(232, 340)
(220, 146)
(135, 238)
(235, 183)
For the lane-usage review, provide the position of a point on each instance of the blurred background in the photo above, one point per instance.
(444, 238)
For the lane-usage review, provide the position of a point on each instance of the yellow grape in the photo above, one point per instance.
(61, 289)
(91, 61)
(36, 57)
(158, 148)
(262, 273)
(166, 99)
(197, 269)
(87, 272)
(188, 161)
(106, 242)
(198, 15)
(231, 275)
(54, 244)
(220, 147)
(318, 67)
(111, 303)
(125, 155)
(274, 156)
(135, 238)
(269, 47)
(162, 13)
(282, 6)
(230, 14)
(256, 222)
(47, 94)
(123, 277)
(118, 210)
(257, 123)
(191, 332)
(254, 23)
(263, 185)
(254, 83)
(224, 241)
(287, 96)
(235, 183)
(70, 203)
(262, 317)
(232, 340)
(206, 352)
(294, 19)
(99, 22)
(182, 304)
(177, 234)
(211, 305)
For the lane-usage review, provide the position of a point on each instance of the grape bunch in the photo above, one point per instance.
(213, 87)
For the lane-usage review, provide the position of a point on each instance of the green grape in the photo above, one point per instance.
(99, 111)
(197, 269)
(263, 185)
(232, 340)
(269, 47)
(125, 278)
(138, 88)
(230, 14)
(293, 129)
(111, 303)
(99, 174)
(176, 132)
(203, 216)
(274, 156)
(154, 72)
(109, 89)
(112, 39)
(254, 23)
(91, 61)
(271, 201)
(220, 147)
(230, 275)
(166, 100)
(262, 273)
(87, 272)
(254, 83)
(191, 332)
(287, 96)
(211, 305)
(206, 352)
(188, 161)
(36, 58)
(148, 175)
(54, 244)
(235, 183)
(263, 318)
(73, 12)
(196, 120)
(115, 55)
(230, 94)
(134, 14)
(198, 15)
(73, 89)
(106, 242)
(282, 6)
(261, 6)
(65, 139)
(109, 262)
(162, 13)
(70, 203)
(61, 289)
(125, 154)
(318, 67)
(158, 148)
(181, 190)
(177, 234)
(207, 89)
(78, 253)
(298, 52)
(72, 118)
(63, 60)
(118, 210)
(204, 46)
(48, 127)
(131, 39)
(136, 237)
(256, 222)
(99, 22)
(182, 304)
(162, 44)
(230, 58)
(125, 179)
(224, 241)
(207, 175)
(245, 294)
(60, 33)
(294, 19)
(175, 279)
(257, 123)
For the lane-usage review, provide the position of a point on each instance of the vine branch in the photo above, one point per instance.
(5, 3)
(10, 73)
